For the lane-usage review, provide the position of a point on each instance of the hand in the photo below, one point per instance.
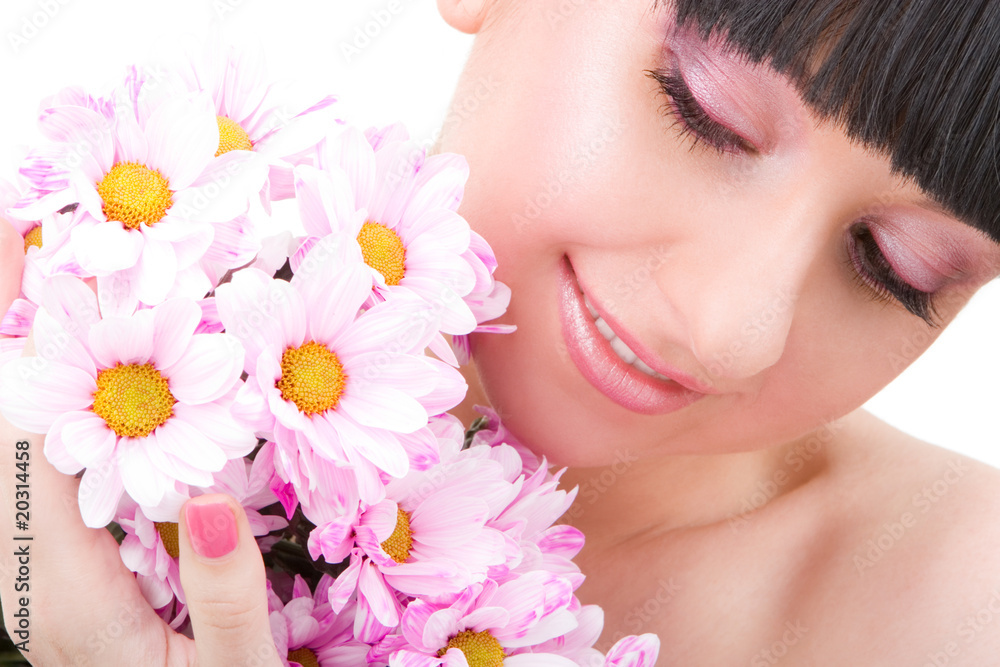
(84, 606)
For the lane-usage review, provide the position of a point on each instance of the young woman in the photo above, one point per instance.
(720, 243)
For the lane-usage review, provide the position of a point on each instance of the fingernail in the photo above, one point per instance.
(211, 528)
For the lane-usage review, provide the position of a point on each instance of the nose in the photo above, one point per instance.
(733, 287)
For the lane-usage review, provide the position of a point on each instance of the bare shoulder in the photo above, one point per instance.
(923, 544)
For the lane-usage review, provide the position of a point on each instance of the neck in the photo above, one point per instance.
(629, 498)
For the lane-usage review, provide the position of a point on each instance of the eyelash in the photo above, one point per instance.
(871, 270)
(682, 105)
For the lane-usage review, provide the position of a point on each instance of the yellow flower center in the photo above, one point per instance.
(312, 378)
(304, 657)
(168, 533)
(481, 649)
(401, 541)
(383, 251)
(134, 194)
(33, 238)
(133, 399)
(232, 137)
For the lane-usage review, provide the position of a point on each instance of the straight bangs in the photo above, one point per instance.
(917, 81)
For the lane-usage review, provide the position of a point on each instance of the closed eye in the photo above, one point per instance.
(682, 105)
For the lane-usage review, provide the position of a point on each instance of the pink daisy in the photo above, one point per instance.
(398, 206)
(148, 194)
(634, 651)
(139, 402)
(428, 537)
(251, 114)
(487, 625)
(307, 632)
(321, 376)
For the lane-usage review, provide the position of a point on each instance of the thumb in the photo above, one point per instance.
(222, 573)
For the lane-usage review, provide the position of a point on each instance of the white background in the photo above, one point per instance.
(405, 72)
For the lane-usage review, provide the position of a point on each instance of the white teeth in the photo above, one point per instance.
(619, 346)
(644, 368)
(605, 329)
(622, 350)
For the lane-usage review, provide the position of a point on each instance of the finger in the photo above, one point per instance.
(68, 566)
(11, 264)
(222, 573)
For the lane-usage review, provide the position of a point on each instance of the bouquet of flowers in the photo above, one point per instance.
(189, 345)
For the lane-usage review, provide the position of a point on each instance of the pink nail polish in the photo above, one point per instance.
(211, 528)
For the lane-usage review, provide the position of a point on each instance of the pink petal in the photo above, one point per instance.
(440, 626)
(538, 660)
(633, 651)
(428, 577)
(406, 658)
(382, 407)
(375, 445)
(377, 594)
(441, 521)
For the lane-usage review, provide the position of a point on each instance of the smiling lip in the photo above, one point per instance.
(605, 370)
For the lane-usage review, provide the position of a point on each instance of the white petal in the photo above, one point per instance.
(143, 481)
(104, 247)
(125, 340)
(209, 368)
(183, 136)
(218, 425)
(182, 440)
(223, 190)
(175, 322)
(156, 272)
(86, 437)
(99, 493)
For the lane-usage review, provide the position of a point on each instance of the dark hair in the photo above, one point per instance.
(915, 80)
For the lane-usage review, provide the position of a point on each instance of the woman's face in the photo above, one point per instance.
(754, 276)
